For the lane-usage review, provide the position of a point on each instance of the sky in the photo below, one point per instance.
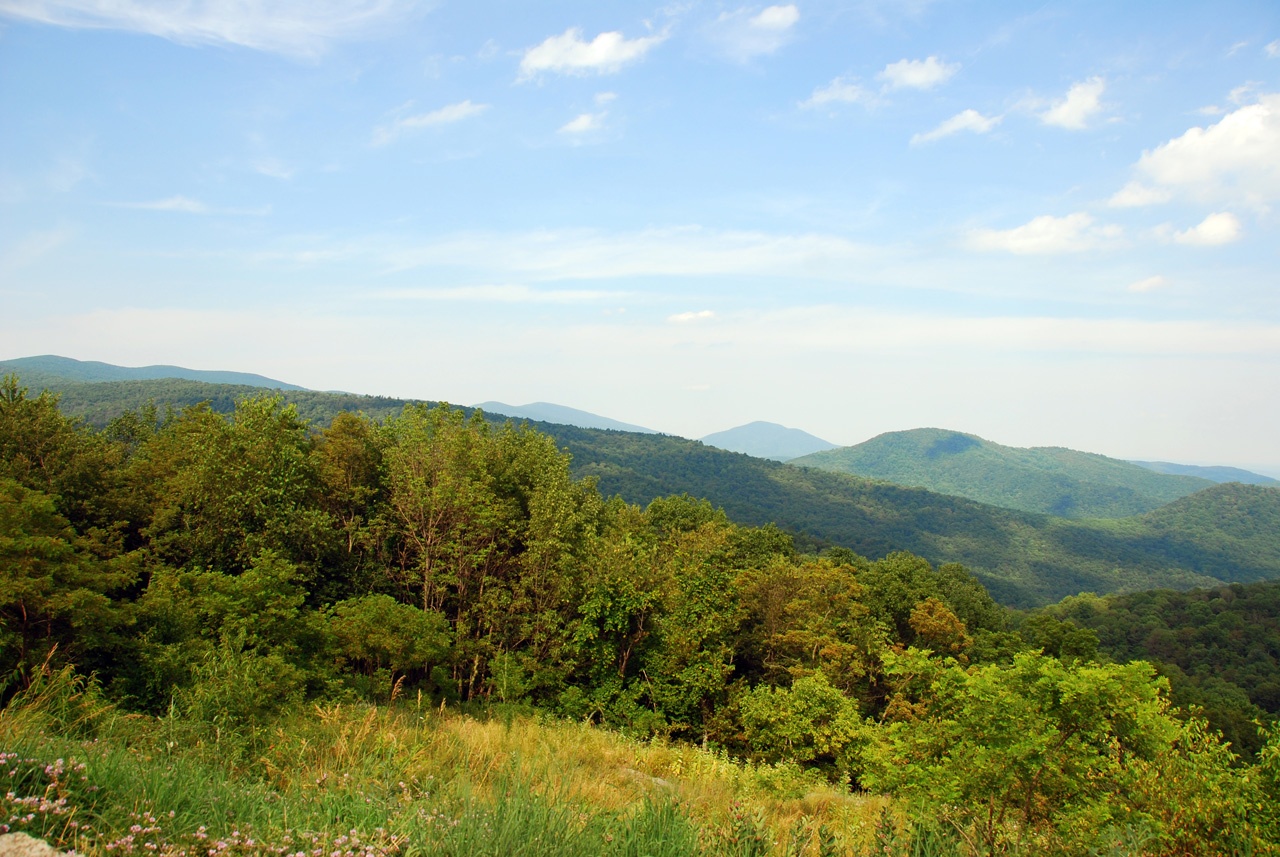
(1047, 225)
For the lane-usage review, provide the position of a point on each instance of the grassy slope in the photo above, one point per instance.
(1049, 480)
(1025, 559)
(358, 781)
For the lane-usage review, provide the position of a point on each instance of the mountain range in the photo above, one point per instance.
(1225, 533)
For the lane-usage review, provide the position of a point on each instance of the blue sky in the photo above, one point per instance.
(1051, 225)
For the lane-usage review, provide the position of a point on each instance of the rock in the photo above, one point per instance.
(22, 845)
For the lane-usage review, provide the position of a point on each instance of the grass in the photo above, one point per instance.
(361, 781)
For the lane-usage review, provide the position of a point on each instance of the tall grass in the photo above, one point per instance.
(359, 781)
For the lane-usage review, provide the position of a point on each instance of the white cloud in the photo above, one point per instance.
(568, 53)
(742, 35)
(186, 205)
(302, 28)
(1081, 103)
(687, 317)
(917, 74)
(444, 116)
(583, 123)
(1135, 194)
(1046, 234)
(1221, 227)
(1148, 284)
(603, 98)
(1273, 49)
(1233, 160)
(842, 90)
(968, 120)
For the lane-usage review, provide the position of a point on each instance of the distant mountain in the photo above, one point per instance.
(36, 372)
(1214, 474)
(1047, 480)
(768, 440)
(548, 413)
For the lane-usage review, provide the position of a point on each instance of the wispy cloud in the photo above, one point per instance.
(1046, 234)
(917, 74)
(1078, 107)
(570, 254)
(186, 205)
(384, 134)
(302, 28)
(968, 120)
(746, 33)
(841, 90)
(498, 294)
(274, 168)
(584, 123)
(1273, 49)
(569, 53)
(1148, 284)
(688, 317)
(33, 247)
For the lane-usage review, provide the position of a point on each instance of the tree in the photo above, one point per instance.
(54, 593)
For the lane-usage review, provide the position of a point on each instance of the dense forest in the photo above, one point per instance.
(1220, 648)
(1023, 559)
(218, 573)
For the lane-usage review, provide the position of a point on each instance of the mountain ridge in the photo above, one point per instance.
(561, 414)
(768, 440)
(1047, 480)
(36, 369)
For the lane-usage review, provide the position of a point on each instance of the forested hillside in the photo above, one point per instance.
(1219, 647)
(50, 369)
(1024, 559)
(218, 574)
(1048, 480)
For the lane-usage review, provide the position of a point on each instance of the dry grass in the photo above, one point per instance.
(588, 766)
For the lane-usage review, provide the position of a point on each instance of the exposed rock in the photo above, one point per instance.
(22, 845)
(638, 776)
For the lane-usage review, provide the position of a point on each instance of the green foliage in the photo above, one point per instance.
(809, 722)
(1056, 755)
(55, 595)
(383, 640)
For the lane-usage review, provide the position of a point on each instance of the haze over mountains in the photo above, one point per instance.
(768, 440)
(550, 413)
